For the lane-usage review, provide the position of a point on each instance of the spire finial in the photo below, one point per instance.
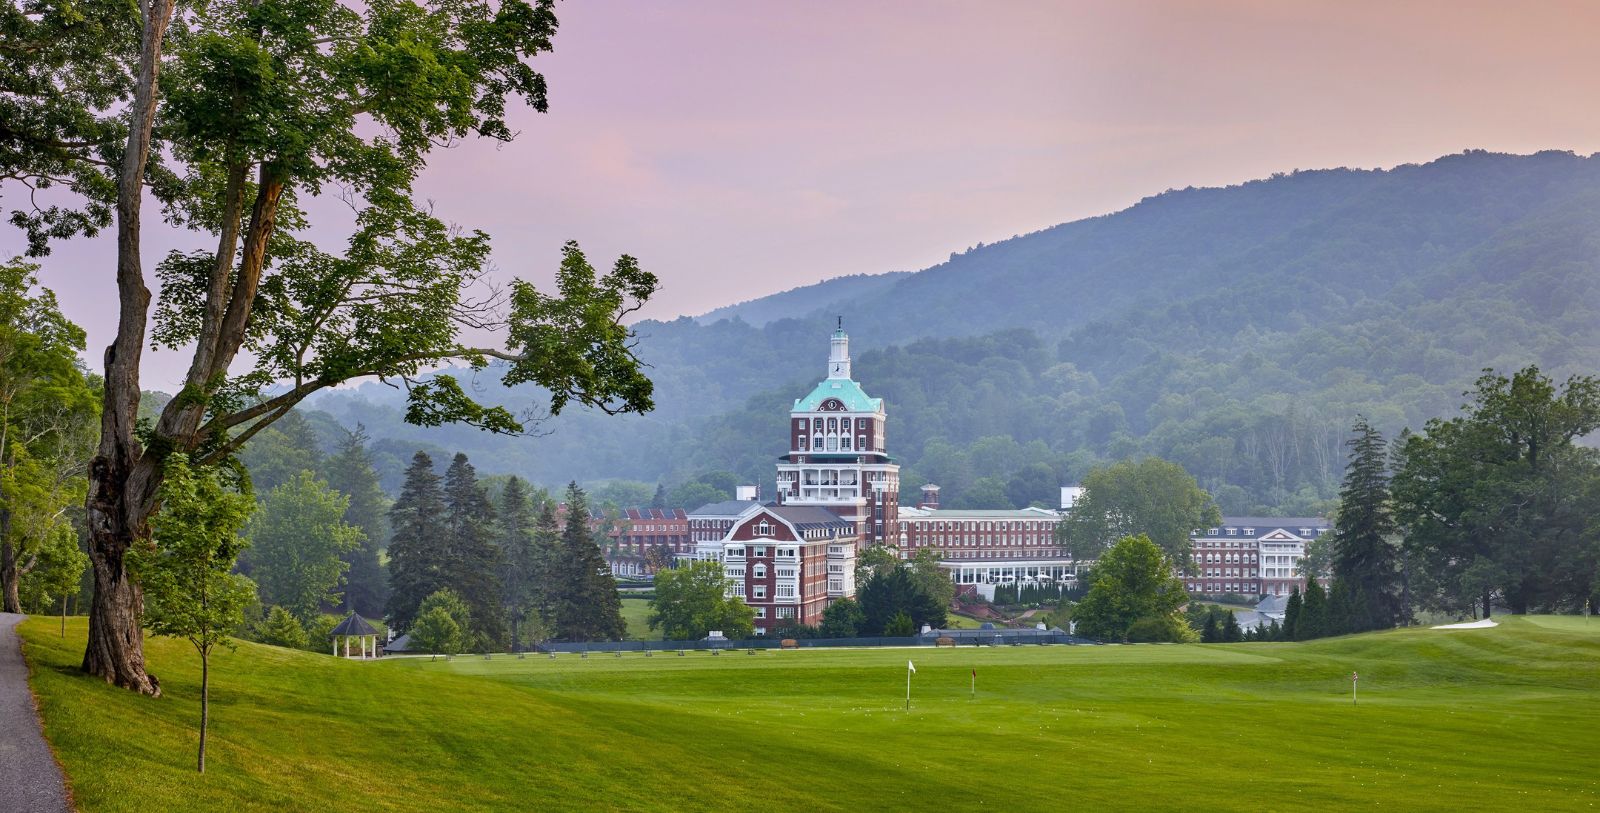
(841, 322)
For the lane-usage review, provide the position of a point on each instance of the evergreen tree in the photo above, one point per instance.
(1366, 557)
(1291, 617)
(543, 570)
(1209, 634)
(1230, 629)
(416, 555)
(1313, 613)
(514, 526)
(842, 619)
(472, 562)
(660, 498)
(280, 628)
(583, 594)
(351, 473)
(886, 595)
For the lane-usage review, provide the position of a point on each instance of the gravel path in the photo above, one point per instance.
(30, 780)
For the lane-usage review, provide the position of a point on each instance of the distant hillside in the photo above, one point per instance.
(822, 297)
(1236, 330)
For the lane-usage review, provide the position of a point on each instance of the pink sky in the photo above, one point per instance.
(742, 148)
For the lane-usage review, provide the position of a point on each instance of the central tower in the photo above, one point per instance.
(837, 458)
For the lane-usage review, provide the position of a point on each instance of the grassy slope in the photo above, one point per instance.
(1479, 719)
(636, 612)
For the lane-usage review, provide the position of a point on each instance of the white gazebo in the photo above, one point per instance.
(356, 627)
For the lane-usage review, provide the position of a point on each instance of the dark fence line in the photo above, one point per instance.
(962, 638)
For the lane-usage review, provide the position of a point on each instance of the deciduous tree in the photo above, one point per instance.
(298, 539)
(191, 591)
(1150, 497)
(695, 599)
(1133, 582)
(235, 115)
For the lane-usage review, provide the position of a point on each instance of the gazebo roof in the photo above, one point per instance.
(353, 624)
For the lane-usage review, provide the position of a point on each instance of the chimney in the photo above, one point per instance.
(930, 496)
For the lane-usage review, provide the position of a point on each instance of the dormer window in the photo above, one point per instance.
(1249, 532)
(764, 529)
(1233, 532)
(1212, 532)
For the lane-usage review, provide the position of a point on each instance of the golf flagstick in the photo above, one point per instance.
(911, 669)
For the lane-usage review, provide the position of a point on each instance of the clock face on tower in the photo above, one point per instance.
(832, 405)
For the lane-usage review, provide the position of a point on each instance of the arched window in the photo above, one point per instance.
(759, 572)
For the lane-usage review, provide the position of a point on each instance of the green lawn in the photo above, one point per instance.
(635, 611)
(1496, 719)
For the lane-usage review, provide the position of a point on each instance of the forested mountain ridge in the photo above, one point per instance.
(822, 296)
(1235, 330)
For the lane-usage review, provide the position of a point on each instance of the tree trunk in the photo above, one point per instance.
(1486, 611)
(205, 703)
(9, 575)
(115, 509)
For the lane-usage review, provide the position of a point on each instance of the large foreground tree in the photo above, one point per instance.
(234, 114)
(1498, 505)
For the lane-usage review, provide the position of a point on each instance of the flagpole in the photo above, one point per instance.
(908, 686)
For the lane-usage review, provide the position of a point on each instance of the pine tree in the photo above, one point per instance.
(583, 594)
(351, 473)
(514, 523)
(1291, 617)
(1209, 634)
(660, 499)
(1365, 555)
(1230, 629)
(543, 570)
(416, 555)
(1313, 613)
(472, 562)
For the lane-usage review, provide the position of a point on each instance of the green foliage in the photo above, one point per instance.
(416, 554)
(48, 408)
(1313, 620)
(533, 629)
(696, 598)
(873, 561)
(930, 578)
(895, 592)
(899, 625)
(190, 590)
(1133, 582)
(298, 538)
(1293, 609)
(1498, 504)
(436, 631)
(514, 523)
(186, 572)
(350, 472)
(1230, 629)
(472, 564)
(583, 599)
(842, 619)
(1151, 497)
(281, 628)
(1365, 545)
(280, 452)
